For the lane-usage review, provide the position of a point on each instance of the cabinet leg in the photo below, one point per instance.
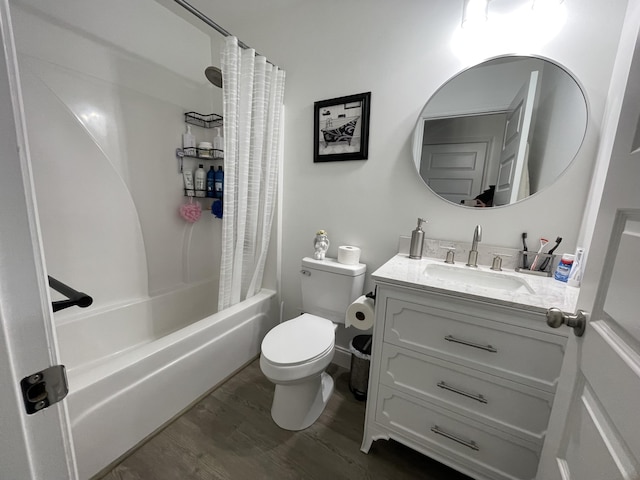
(366, 444)
(371, 434)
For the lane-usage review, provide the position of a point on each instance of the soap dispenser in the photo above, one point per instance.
(417, 240)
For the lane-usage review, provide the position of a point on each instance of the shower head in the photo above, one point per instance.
(214, 75)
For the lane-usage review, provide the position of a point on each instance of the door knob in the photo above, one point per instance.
(556, 317)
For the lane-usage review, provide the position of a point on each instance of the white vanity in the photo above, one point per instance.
(464, 367)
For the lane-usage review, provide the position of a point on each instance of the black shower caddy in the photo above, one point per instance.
(206, 121)
(210, 120)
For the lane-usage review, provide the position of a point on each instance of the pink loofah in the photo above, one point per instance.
(191, 211)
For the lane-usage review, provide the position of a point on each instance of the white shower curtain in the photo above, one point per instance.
(253, 91)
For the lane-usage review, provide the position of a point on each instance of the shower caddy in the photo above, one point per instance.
(205, 121)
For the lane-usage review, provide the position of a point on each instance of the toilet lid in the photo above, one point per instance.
(298, 340)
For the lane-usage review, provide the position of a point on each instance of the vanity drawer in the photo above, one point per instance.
(519, 409)
(481, 448)
(520, 354)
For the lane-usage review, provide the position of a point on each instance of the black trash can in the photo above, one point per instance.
(360, 348)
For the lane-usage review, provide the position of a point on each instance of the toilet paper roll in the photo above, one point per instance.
(360, 314)
(348, 255)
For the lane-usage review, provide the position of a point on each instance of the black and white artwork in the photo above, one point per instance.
(341, 128)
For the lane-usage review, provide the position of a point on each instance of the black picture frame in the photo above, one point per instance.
(341, 128)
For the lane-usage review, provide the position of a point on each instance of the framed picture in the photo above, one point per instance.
(341, 128)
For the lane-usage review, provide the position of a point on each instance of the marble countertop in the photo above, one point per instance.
(548, 292)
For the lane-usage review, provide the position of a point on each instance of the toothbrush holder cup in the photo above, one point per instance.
(545, 265)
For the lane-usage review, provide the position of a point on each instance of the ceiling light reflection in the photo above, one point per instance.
(521, 31)
(474, 13)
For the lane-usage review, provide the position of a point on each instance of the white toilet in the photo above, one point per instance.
(296, 352)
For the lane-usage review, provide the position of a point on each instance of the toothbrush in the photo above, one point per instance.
(524, 250)
(548, 259)
(543, 242)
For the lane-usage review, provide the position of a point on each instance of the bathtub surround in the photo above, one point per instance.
(253, 91)
(105, 113)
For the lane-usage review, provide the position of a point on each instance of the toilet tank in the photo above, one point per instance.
(329, 287)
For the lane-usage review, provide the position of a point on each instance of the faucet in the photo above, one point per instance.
(473, 253)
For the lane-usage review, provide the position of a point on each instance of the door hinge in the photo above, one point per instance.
(42, 389)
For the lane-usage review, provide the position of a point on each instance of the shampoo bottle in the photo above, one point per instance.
(210, 182)
(417, 240)
(189, 142)
(218, 144)
(187, 175)
(200, 181)
(218, 182)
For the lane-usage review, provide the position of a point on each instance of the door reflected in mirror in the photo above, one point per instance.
(500, 131)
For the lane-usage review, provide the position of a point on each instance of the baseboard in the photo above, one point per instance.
(342, 357)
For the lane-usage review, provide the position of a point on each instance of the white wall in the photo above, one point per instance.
(402, 52)
(105, 87)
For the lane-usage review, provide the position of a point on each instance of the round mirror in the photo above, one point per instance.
(500, 131)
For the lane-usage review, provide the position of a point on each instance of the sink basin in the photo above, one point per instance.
(477, 278)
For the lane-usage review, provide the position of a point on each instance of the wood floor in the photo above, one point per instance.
(230, 435)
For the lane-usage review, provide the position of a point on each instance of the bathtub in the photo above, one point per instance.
(123, 387)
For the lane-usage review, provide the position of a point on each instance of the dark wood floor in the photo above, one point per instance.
(230, 435)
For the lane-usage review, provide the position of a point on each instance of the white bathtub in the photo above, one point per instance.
(123, 390)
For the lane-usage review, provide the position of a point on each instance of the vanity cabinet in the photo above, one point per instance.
(467, 382)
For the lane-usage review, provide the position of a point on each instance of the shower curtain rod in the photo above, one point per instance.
(190, 8)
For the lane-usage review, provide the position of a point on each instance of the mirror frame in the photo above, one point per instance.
(419, 126)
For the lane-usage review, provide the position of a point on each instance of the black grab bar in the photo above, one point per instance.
(80, 299)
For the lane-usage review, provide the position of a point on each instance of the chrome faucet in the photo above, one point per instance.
(473, 253)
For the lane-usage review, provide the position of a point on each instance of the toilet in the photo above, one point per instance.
(296, 352)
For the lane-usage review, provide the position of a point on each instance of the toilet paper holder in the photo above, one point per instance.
(361, 313)
(372, 295)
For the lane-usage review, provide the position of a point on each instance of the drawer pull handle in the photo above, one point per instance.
(488, 348)
(470, 444)
(478, 398)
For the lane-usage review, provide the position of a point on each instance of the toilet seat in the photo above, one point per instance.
(298, 341)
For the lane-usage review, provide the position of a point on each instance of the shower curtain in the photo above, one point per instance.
(253, 91)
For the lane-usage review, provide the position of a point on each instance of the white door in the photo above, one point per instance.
(515, 143)
(454, 170)
(36, 446)
(594, 430)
